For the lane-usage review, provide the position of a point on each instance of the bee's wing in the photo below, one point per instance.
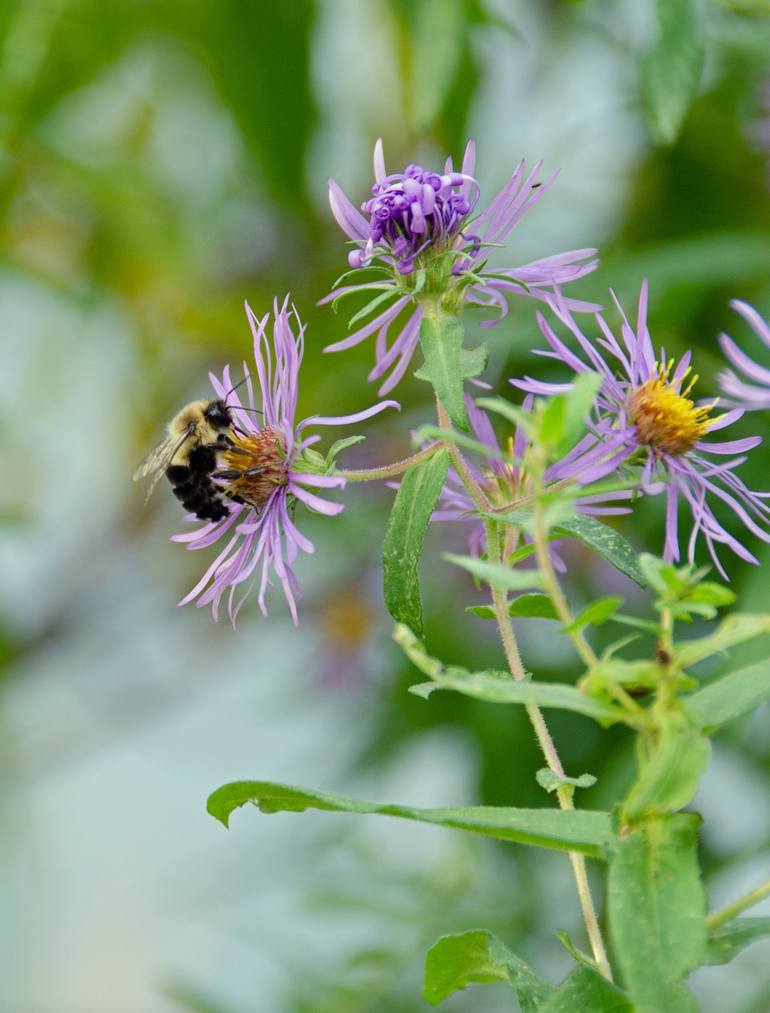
(159, 458)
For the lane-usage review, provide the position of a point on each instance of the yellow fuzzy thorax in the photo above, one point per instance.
(667, 420)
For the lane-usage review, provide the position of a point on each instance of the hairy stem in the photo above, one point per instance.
(545, 564)
(387, 470)
(726, 914)
(517, 670)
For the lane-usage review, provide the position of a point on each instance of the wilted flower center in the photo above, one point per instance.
(410, 210)
(507, 483)
(254, 465)
(665, 418)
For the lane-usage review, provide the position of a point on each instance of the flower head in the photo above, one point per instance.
(644, 413)
(749, 396)
(507, 480)
(266, 472)
(422, 232)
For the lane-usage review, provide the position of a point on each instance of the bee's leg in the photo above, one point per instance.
(232, 475)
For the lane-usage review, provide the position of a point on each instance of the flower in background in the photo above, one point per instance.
(749, 396)
(422, 232)
(644, 412)
(266, 472)
(507, 483)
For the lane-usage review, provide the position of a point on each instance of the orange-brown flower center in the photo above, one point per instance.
(254, 465)
(666, 419)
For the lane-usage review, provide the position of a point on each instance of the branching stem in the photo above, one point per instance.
(517, 670)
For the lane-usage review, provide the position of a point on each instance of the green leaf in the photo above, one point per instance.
(372, 305)
(550, 780)
(441, 340)
(735, 629)
(586, 991)
(496, 574)
(657, 911)
(530, 605)
(669, 778)
(510, 412)
(596, 613)
(552, 423)
(456, 961)
(485, 686)
(584, 831)
(604, 541)
(578, 404)
(671, 68)
(339, 445)
(414, 503)
(499, 687)
(731, 696)
(473, 362)
(728, 940)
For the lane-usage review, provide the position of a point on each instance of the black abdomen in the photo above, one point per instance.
(193, 487)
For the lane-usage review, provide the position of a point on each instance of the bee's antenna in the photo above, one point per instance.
(240, 408)
(239, 384)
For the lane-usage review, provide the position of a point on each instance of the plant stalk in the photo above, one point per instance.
(387, 470)
(517, 670)
(726, 914)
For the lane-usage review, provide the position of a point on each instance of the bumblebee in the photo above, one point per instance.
(188, 457)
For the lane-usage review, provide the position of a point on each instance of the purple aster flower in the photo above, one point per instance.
(749, 396)
(644, 414)
(422, 231)
(509, 483)
(268, 473)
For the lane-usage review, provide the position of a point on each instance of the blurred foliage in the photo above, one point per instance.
(159, 162)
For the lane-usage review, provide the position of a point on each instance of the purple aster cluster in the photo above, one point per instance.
(268, 474)
(754, 395)
(643, 413)
(507, 483)
(411, 210)
(423, 229)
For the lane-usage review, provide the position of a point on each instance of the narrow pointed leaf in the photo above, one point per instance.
(479, 957)
(731, 696)
(499, 687)
(605, 541)
(496, 574)
(441, 340)
(414, 503)
(728, 940)
(584, 831)
(735, 629)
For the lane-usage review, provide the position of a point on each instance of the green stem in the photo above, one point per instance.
(726, 914)
(545, 564)
(517, 670)
(387, 470)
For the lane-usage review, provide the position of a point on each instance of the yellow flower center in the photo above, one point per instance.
(254, 465)
(666, 419)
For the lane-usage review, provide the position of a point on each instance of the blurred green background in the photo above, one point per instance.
(159, 163)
